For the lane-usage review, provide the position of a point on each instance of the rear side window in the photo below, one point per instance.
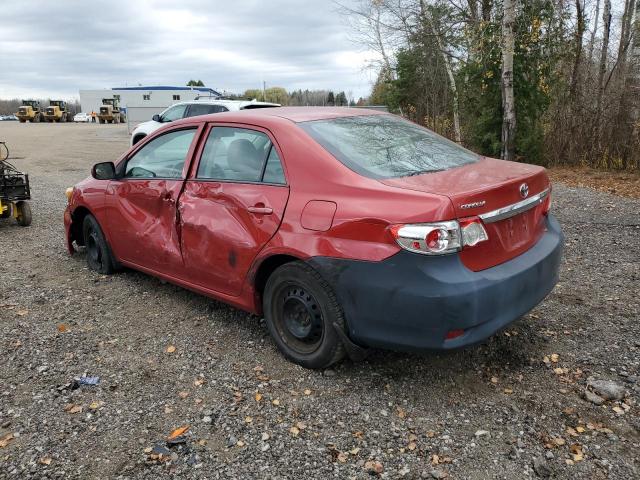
(195, 110)
(240, 154)
(385, 146)
(162, 157)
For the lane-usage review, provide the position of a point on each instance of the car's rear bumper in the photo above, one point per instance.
(410, 301)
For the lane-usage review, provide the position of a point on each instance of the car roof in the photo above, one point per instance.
(294, 114)
(214, 101)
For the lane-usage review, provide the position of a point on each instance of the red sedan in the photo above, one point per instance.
(345, 228)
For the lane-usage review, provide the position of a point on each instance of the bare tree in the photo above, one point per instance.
(508, 98)
(604, 52)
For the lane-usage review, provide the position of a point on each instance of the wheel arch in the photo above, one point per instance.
(264, 270)
(77, 219)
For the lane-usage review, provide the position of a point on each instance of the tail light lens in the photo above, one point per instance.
(473, 231)
(439, 238)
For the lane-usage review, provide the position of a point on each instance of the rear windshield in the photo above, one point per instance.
(386, 146)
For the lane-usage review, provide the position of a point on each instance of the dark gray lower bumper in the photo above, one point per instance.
(410, 301)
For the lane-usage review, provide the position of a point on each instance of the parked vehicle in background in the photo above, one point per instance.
(7, 118)
(193, 108)
(82, 117)
(30, 111)
(345, 228)
(110, 111)
(57, 111)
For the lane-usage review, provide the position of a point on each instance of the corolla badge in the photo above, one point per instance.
(524, 190)
(474, 204)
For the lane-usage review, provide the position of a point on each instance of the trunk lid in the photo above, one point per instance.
(483, 187)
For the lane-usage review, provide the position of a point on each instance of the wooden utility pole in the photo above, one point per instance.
(508, 98)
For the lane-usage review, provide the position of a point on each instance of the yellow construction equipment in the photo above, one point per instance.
(30, 112)
(110, 111)
(57, 111)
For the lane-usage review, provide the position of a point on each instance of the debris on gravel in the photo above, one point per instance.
(607, 389)
(252, 414)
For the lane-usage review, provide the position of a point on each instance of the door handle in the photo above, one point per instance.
(260, 210)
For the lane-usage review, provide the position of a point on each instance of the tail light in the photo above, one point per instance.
(473, 231)
(439, 238)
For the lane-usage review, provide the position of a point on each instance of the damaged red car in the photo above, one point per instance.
(345, 228)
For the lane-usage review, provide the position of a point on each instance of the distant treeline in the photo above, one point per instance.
(9, 107)
(303, 97)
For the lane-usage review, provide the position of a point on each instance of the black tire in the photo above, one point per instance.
(99, 257)
(300, 308)
(23, 213)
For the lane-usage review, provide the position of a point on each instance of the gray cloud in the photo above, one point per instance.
(54, 48)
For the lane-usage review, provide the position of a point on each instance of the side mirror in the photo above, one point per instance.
(104, 171)
(156, 118)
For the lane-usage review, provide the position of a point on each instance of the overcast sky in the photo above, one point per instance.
(53, 48)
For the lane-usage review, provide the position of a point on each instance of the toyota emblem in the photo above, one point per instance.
(524, 190)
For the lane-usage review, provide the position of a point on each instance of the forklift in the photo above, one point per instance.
(14, 191)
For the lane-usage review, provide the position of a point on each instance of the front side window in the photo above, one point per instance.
(195, 110)
(163, 157)
(173, 113)
(239, 154)
(176, 97)
(385, 146)
(146, 97)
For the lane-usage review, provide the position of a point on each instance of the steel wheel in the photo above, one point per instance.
(302, 314)
(301, 322)
(99, 257)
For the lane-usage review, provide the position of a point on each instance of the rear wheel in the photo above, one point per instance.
(300, 309)
(23, 210)
(99, 256)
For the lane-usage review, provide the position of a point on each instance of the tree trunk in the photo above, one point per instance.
(486, 10)
(631, 98)
(606, 20)
(508, 98)
(595, 29)
(383, 52)
(625, 36)
(578, 53)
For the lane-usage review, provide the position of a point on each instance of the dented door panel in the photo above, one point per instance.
(224, 226)
(141, 215)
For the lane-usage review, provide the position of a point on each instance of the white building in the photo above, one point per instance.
(142, 103)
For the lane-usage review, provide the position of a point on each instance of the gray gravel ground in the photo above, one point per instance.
(495, 411)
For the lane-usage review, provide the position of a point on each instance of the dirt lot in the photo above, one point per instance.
(512, 408)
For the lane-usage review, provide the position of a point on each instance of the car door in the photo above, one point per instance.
(231, 206)
(141, 203)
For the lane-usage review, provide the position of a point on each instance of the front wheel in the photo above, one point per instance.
(99, 258)
(300, 309)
